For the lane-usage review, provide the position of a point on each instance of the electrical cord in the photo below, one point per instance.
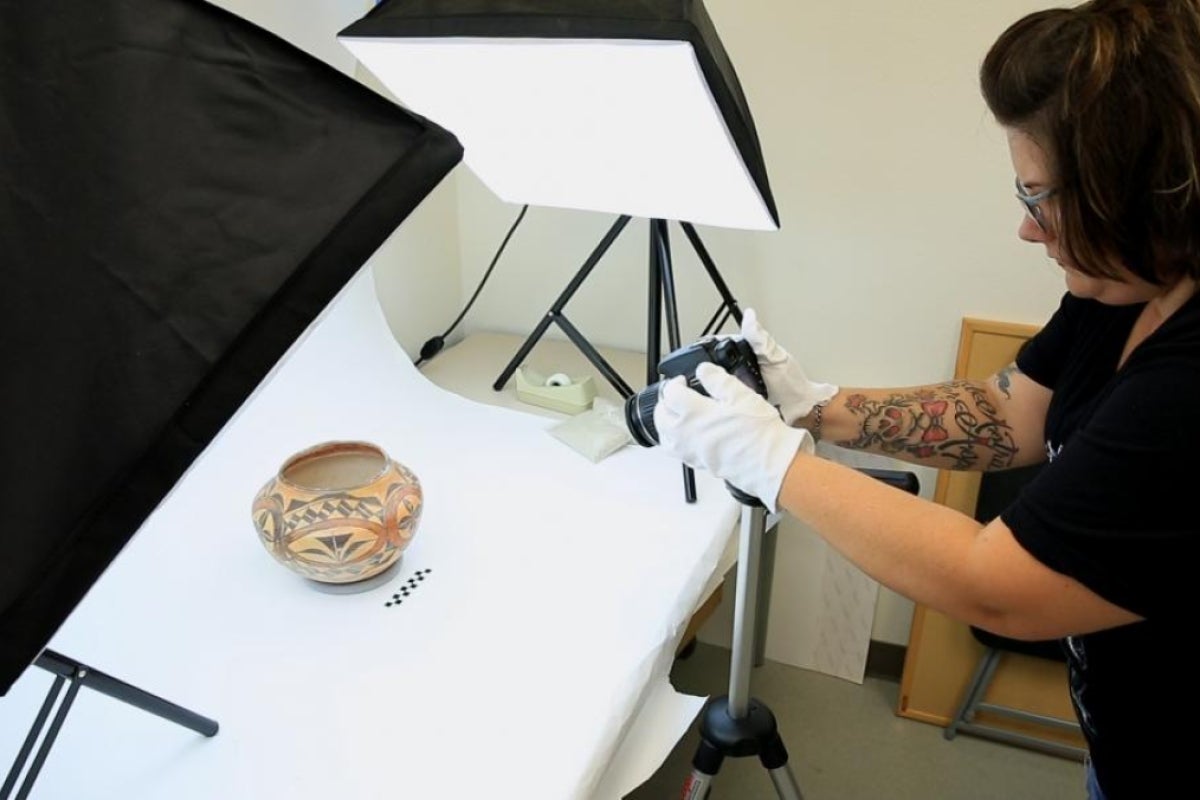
(434, 346)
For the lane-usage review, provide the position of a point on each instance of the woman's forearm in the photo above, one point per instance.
(939, 557)
(911, 545)
(953, 425)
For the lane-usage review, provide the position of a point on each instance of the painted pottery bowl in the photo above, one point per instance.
(338, 512)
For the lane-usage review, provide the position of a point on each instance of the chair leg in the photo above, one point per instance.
(975, 691)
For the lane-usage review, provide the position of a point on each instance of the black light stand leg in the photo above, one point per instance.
(555, 315)
(729, 305)
(31, 740)
(51, 736)
(661, 241)
(661, 299)
(660, 278)
(106, 684)
(718, 319)
(654, 302)
(80, 675)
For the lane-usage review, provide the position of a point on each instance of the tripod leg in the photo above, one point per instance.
(705, 765)
(697, 786)
(785, 783)
(774, 758)
(555, 312)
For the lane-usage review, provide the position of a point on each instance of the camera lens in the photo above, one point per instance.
(639, 415)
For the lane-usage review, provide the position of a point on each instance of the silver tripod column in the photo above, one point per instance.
(736, 725)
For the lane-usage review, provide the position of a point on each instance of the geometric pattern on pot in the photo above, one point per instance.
(339, 535)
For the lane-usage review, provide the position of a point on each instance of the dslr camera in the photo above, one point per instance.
(731, 354)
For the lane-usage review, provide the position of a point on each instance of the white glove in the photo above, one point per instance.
(734, 433)
(787, 385)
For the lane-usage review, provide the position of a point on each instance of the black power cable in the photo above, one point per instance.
(434, 346)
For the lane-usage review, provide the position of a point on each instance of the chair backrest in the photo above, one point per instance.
(998, 489)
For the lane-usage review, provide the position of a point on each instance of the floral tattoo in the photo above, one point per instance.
(954, 421)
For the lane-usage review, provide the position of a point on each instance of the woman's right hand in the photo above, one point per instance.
(787, 385)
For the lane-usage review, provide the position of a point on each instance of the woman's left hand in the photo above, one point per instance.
(733, 433)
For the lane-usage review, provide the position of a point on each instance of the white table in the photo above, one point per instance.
(558, 592)
(470, 367)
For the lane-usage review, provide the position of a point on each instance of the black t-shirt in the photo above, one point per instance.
(1118, 508)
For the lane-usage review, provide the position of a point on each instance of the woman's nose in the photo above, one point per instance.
(1030, 231)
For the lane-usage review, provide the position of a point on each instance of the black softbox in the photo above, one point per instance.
(181, 193)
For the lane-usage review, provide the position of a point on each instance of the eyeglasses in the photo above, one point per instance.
(1032, 203)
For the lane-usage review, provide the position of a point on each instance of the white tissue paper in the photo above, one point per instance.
(596, 433)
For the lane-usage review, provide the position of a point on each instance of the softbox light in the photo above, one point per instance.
(623, 106)
(180, 194)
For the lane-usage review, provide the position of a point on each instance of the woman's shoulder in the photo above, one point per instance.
(1082, 329)
(1080, 316)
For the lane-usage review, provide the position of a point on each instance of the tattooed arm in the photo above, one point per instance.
(931, 553)
(968, 425)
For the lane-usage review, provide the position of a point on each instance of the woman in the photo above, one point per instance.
(1101, 105)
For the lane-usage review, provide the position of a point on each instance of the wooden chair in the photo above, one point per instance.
(967, 718)
(997, 490)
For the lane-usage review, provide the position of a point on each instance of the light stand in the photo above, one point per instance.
(737, 725)
(81, 675)
(660, 300)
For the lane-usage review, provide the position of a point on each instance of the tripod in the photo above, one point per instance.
(661, 300)
(80, 675)
(737, 725)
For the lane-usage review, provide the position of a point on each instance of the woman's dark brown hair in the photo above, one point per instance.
(1111, 90)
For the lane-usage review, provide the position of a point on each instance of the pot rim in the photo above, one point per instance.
(350, 445)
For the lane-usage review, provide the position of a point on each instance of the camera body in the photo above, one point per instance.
(730, 353)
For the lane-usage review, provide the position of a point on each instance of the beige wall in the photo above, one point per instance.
(894, 190)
